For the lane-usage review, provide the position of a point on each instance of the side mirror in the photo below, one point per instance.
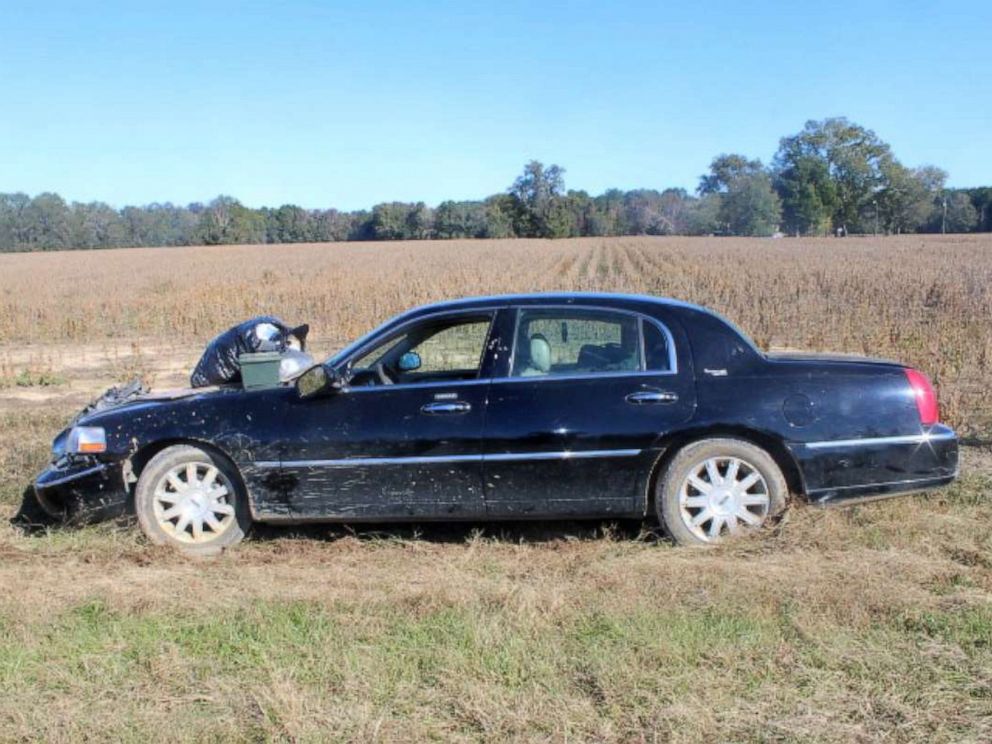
(317, 380)
(409, 362)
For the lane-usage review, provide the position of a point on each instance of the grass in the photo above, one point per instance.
(33, 378)
(866, 624)
(862, 624)
(590, 640)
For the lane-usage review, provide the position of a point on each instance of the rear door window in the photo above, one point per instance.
(574, 341)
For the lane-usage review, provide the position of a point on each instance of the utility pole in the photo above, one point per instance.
(875, 202)
(943, 219)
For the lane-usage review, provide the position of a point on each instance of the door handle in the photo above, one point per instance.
(446, 407)
(644, 397)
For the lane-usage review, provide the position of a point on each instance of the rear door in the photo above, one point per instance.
(572, 419)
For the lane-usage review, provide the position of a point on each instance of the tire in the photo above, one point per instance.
(198, 521)
(702, 497)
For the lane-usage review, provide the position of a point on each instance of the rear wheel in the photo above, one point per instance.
(716, 489)
(192, 500)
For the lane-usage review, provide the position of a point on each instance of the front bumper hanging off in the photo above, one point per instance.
(82, 489)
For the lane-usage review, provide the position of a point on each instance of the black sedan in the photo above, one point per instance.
(514, 407)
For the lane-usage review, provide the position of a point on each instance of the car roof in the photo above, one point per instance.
(579, 298)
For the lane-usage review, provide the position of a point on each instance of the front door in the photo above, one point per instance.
(402, 440)
(571, 423)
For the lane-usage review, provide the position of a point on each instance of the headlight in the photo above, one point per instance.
(86, 440)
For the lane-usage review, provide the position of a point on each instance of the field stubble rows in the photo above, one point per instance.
(867, 624)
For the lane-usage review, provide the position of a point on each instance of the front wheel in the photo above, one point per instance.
(716, 489)
(192, 500)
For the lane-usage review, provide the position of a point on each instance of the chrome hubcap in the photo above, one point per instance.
(723, 495)
(194, 503)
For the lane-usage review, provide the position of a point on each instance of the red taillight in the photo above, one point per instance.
(926, 398)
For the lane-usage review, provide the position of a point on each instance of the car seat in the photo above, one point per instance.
(608, 357)
(539, 362)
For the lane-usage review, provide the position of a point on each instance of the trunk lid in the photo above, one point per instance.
(829, 358)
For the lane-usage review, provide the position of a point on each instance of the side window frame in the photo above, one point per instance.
(505, 373)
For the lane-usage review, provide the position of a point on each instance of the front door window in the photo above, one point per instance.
(447, 349)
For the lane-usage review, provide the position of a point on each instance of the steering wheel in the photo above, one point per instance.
(380, 370)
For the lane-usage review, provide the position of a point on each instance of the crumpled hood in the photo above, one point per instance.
(135, 393)
(116, 406)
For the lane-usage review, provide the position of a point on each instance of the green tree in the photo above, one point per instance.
(419, 222)
(742, 190)
(674, 211)
(330, 225)
(450, 220)
(96, 225)
(388, 221)
(500, 213)
(226, 221)
(288, 224)
(13, 235)
(724, 170)
(703, 215)
(607, 214)
(464, 219)
(852, 156)
(47, 223)
(981, 200)
(539, 192)
(954, 212)
(750, 206)
(808, 194)
(906, 199)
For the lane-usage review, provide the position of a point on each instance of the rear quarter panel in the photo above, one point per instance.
(831, 416)
(836, 417)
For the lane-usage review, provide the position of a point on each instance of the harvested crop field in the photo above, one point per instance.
(867, 624)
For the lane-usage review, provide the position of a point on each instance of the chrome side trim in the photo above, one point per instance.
(582, 376)
(414, 386)
(873, 441)
(502, 381)
(584, 455)
(441, 459)
(355, 462)
(916, 484)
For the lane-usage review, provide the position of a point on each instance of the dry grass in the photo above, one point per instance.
(868, 624)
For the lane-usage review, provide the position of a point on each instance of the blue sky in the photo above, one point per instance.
(353, 103)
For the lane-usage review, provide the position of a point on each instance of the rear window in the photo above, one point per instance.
(718, 347)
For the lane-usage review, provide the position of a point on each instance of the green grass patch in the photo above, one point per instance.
(970, 628)
(33, 378)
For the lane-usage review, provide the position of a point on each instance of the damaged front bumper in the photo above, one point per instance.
(83, 489)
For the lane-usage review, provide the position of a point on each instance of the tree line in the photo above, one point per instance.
(833, 177)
